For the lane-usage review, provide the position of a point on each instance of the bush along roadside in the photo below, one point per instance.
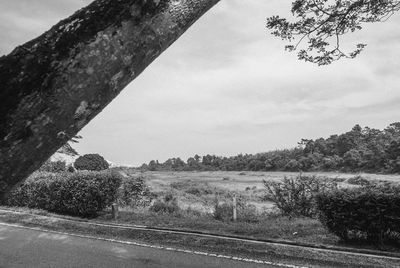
(296, 196)
(369, 213)
(82, 193)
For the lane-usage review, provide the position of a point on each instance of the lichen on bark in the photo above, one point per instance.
(52, 86)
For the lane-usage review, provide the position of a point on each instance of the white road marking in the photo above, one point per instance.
(149, 229)
(155, 247)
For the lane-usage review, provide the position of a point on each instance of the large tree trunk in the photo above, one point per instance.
(52, 86)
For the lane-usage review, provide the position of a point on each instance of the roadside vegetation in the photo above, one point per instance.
(335, 210)
(213, 245)
(84, 193)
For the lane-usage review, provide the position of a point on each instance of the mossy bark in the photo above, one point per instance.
(52, 86)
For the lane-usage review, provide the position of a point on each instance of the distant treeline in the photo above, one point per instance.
(361, 149)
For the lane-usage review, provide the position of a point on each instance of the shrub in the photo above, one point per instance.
(80, 193)
(223, 212)
(369, 213)
(167, 205)
(93, 162)
(164, 207)
(53, 166)
(134, 192)
(296, 196)
(247, 212)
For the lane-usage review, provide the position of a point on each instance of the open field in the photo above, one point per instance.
(239, 180)
(198, 190)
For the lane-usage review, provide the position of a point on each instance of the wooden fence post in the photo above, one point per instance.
(114, 211)
(234, 208)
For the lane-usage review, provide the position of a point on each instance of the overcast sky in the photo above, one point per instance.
(227, 86)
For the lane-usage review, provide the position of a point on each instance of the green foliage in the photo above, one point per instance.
(53, 166)
(167, 205)
(81, 193)
(368, 213)
(93, 162)
(134, 192)
(296, 196)
(322, 23)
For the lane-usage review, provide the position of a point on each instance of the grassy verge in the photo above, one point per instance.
(297, 229)
(272, 253)
(300, 229)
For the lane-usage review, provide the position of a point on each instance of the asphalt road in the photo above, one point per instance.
(21, 247)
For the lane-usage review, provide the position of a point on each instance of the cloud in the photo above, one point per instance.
(23, 20)
(227, 86)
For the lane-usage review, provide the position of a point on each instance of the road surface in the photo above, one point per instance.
(20, 247)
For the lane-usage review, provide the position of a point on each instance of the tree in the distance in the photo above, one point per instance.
(152, 166)
(93, 162)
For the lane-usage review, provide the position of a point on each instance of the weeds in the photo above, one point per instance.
(167, 205)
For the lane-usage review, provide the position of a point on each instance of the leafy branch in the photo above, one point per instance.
(323, 22)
